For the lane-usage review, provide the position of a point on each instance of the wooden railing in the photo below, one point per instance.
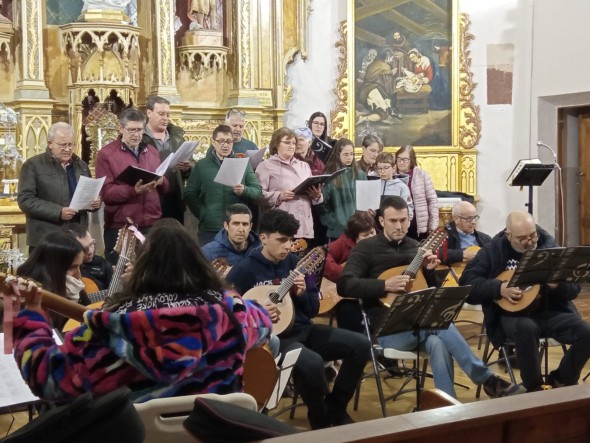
(559, 415)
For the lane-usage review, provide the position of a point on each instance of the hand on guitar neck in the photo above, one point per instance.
(299, 286)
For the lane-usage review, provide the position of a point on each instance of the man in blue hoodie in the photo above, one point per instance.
(236, 239)
(318, 343)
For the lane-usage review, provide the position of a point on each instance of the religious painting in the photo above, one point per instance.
(404, 71)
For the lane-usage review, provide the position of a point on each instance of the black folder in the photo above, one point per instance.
(316, 180)
(132, 174)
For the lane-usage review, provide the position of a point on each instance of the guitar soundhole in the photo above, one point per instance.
(274, 297)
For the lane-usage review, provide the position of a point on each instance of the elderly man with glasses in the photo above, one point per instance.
(463, 240)
(551, 315)
(236, 120)
(47, 184)
(139, 202)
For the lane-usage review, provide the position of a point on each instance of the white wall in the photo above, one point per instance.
(314, 79)
(551, 59)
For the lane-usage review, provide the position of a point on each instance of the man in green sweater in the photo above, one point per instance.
(208, 200)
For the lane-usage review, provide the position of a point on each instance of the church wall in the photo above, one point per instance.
(556, 63)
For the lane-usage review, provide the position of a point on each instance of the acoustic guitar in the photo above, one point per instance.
(456, 269)
(330, 297)
(529, 294)
(414, 269)
(260, 374)
(278, 294)
(125, 247)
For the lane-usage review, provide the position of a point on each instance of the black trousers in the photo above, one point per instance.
(320, 343)
(565, 327)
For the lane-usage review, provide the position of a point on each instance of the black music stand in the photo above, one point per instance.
(568, 265)
(431, 308)
(532, 174)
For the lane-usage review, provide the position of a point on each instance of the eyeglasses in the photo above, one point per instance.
(347, 154)
(469, 219)
(403, 160)
(526, 238)
(134, 130)
(289, 143)
(322, 124)
(235, 112)
(227, 142)
(64, 146)
(384, 168)
(89, 247)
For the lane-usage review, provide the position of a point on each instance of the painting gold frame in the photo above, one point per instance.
(451, 165)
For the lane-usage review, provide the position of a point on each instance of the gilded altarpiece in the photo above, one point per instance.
(404, 74)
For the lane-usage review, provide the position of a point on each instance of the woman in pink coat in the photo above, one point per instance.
(280, 174)
(423, 194)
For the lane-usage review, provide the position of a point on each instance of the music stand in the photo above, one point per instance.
(532, 174)
(428, 309)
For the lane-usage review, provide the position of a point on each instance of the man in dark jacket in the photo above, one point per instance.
(318, 343)
(551, 315)
(167, 138)
(236, 238)
(47, 184)
(462, 235)
(360, 279)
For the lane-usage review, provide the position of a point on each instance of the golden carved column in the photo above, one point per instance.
(29, 24)
(164, 57)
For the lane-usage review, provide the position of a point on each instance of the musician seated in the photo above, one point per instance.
(318, 343)
(55, 264)
(392, 248)
(94, 266)
(551, 315)
(463, 240)
(236, 239)
(174, 332)
(360, 225)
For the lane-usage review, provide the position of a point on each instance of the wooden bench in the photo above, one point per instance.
(559, 415)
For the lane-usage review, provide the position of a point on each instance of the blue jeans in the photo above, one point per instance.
(443, 346)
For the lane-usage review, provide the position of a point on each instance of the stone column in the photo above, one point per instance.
(163, 46)
(28, 23)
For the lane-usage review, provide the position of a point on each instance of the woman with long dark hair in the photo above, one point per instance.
(55, 264)
(322, 143)
(174, 331)
(340, 194)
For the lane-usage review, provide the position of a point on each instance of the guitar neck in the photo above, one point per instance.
(49, 300)
(414, 266)
(96, 297)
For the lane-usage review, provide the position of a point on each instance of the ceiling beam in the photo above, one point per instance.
(434, 9)
(368, 37)
(376, 7)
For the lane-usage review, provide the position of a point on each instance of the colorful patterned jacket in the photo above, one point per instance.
(168, 351)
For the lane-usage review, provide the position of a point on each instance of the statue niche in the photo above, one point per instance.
(202, 66)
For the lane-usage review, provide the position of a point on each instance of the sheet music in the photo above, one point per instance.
(86, 191)
(232, 171)
(182, 154)
(368, 194)
(13, 389)
(256, 156)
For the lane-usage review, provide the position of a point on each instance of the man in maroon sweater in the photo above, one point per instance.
(140, 202)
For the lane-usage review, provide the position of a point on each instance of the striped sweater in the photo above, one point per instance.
(163, 352)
